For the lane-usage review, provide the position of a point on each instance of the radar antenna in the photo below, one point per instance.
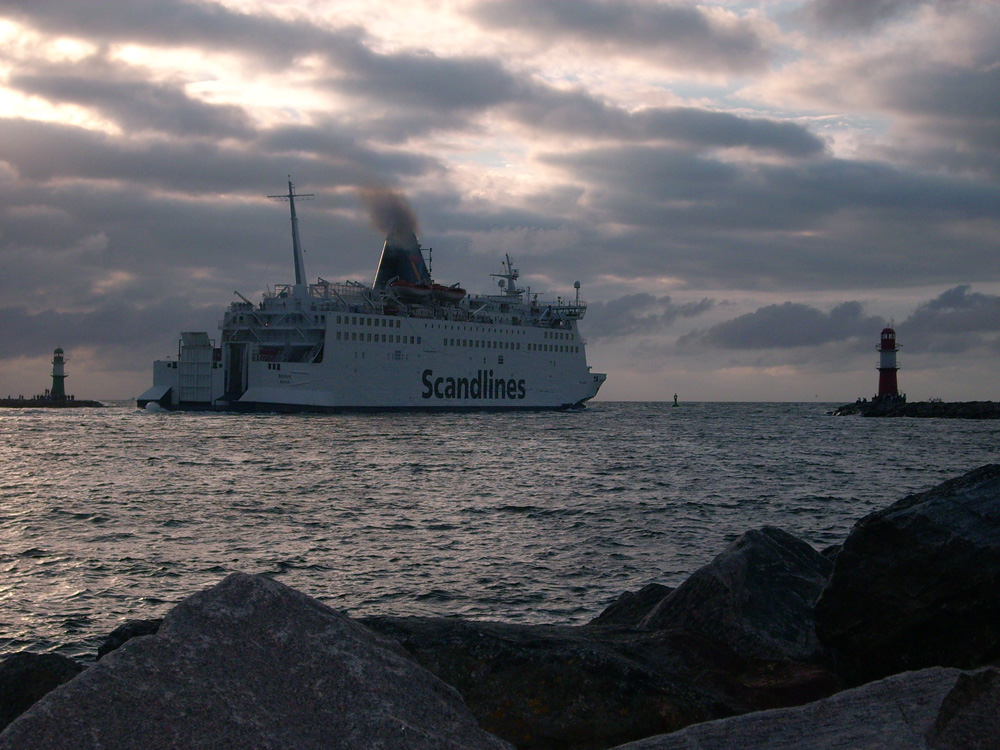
(509, 277)
(300, 266)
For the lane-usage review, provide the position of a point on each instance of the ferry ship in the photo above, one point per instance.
(402, 342)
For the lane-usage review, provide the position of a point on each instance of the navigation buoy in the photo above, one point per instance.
(675, 399)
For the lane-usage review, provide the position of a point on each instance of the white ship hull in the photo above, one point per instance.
(341, 347)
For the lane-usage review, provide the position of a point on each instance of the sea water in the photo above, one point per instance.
(114, 514)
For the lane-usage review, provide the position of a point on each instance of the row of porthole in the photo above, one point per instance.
(387, 338)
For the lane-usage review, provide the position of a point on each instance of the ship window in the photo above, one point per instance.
(354, 337)
(369, 337)
(338, 335)
(499, 359)
(418, 339)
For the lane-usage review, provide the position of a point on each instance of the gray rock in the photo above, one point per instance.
(933, 709)
(918, 584)
(632, 607)
(969, 717)
(251, 663)
(757, 597)
(560, 688)
(127, 631)
(582, 688)
(26, 677)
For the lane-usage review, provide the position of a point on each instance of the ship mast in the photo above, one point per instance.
(300, 266)
(510, 277)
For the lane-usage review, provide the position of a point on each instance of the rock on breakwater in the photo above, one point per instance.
(739, 636)
(252, 663)
(927, 409)
(918, 584)
(934, 709)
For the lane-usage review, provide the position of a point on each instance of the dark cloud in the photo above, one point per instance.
(818, 223)
(578, 113)
(405, 80)
(788, 325)
(941, 107)
(672, 32)
(856, 15)
(152, 328)
(639, 313)
(125, 96)
(422, 81)
(957, 320)
(51, 151)
(181, 23)
(953, 104)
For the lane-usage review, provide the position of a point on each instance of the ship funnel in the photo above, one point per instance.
(401, 259)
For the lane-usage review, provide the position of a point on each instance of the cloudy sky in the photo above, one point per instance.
(747, 191)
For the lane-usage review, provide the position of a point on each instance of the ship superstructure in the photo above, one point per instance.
(401, 342)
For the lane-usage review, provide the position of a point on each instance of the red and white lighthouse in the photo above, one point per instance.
(887, 388)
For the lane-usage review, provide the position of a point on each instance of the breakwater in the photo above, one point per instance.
(48, 403)
(926, 409)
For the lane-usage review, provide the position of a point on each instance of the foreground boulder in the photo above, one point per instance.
(632, 607)
(560, 688)
(918, 584)
(126, 632)
(544, 687)
(26, 677)
(252, 663)
(756, 597)
(933, 709)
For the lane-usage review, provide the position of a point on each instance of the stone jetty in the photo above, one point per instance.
(888, 641)
(45, 402)
(932, 409)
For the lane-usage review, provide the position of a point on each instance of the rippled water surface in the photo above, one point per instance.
(114, 514)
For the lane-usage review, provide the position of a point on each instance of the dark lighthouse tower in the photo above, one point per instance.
(58, 392)
(887, 388)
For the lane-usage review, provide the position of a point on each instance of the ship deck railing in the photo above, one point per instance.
(357, 298)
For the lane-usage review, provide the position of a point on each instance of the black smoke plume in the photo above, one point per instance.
(389, 211)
